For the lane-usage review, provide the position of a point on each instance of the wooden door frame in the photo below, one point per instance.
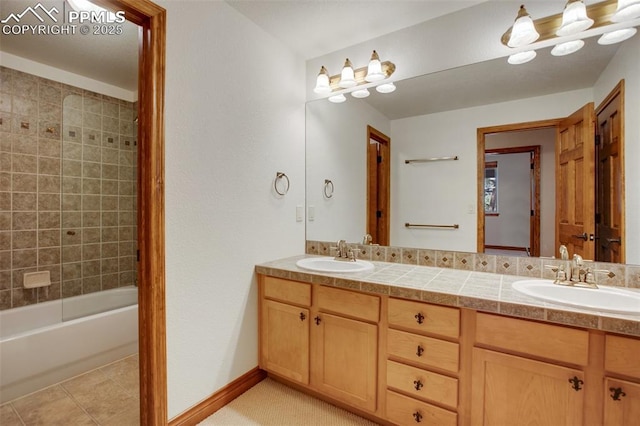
(618, 90)
(534, 221)
(482, 132)
(151, 243)
(371, 222)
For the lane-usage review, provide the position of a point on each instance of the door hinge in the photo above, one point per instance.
(531, 166)
(532, 213)
(138, 255)
(597, 217)
(597, 140)
(379, 159)
(379, 213)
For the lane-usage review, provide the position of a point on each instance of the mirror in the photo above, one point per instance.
(438, 116)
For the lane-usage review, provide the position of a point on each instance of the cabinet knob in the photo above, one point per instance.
(302, 316)
(420, 350)
(419, 318)
(616, 393)
(418, 384)
(417, 416)
(317, 320)
(575, 383)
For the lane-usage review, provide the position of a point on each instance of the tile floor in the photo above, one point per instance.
(105, 396)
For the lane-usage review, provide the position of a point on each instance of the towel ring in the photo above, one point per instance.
(328, 188)
(280, 176)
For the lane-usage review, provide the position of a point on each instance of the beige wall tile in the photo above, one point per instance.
(24, 220)
(24, 240)
(48, 220)
(24, 201)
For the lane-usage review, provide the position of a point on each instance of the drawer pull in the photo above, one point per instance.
(302, 316)
(420, 350)
(417, 416)
(419, 318)
(317, 320)
(418, 384)
(575, 383)
(616, 393)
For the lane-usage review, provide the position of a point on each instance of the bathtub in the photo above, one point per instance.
(43, 344)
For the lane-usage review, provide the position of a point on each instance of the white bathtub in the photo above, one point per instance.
(38, 348)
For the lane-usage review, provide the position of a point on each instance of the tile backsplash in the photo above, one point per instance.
(617, 274)
(68, 160)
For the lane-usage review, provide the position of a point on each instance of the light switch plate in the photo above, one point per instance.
(299, 213)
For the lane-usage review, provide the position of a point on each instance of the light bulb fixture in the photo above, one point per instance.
(617, 36)
(360, 93)
(355, 81)
(522, 57)
(613, 20)
(347, 76)
(567, 47)
(374, 70)
(574, 18)
(386, 87)
(523, 31)
(322, 82)
(626, 10)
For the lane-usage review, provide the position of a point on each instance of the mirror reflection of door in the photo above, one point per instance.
(378, 189)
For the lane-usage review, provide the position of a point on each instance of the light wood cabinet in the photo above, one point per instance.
(506, 388)
(622, 403)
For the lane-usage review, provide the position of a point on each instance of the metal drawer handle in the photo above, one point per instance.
(420, 350)
(418, 384)
(417, 416)
(616, 393)
(419, 318)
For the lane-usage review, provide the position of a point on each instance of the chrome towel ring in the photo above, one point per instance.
(279, 177)
(328, 188)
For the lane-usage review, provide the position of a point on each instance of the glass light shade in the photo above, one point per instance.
(374, 70)
(522, 57)
(617, 36)
(322, 82)
(574, 19)
(347, 78)
(567, 48)
(626, 10)
(360, 93)
(386, 88)
(337, 99)
(523, 31)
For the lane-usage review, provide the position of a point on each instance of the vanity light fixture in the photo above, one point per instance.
(357, 82)
(613, 20)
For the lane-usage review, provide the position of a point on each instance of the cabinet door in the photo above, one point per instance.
(285, 340)
(507, 389)
(622, 403)
(344, 359)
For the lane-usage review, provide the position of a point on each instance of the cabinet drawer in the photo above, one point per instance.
(348, 303)
(554, 342)
(423, 384)
(621, 355)
(424, 318)
(287, 291)
(422, 350)
(402, 410)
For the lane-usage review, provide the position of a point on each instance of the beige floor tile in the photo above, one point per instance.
(51, 406)
(8, 416)
(125, 373)
(101, 398)
(130, 417)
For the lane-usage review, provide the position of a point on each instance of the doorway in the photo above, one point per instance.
(378, 191)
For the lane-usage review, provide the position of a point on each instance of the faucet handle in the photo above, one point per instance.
(561, 274)
(351, 254)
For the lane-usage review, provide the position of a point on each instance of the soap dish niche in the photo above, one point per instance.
(37, 279)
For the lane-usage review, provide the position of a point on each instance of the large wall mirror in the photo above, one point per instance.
(441, 116)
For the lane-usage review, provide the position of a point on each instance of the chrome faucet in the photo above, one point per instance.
(367, 239)
(344, 252)
(572, 272)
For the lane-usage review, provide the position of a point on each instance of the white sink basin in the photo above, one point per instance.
(329, 264)
(604, 299)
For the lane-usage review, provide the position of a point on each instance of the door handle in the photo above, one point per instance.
(614, 240)
(582, 236)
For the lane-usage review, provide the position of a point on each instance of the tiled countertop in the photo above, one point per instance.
(453, 287)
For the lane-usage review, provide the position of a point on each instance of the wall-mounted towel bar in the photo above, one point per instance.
(415, 225)
(328, 188)
(281, 176)
(428, 160)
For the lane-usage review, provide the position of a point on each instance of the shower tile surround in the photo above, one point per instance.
(67, 189)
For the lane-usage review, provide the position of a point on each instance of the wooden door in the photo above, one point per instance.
(344, 360)
(610, 179)
(507, 389)
(378, 186)
(622, 403)
(575, 183)
(285, 340)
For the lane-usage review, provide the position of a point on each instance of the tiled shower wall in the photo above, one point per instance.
(67, 189)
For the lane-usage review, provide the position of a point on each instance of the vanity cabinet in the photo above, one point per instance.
(422, 363)
(529, 370)
(622, 396)
(284, 329)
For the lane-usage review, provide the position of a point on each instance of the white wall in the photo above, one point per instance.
(511, 227)
(234, 117)
(336, 138)
(626, 64)
(546, 138)
(446, 192)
